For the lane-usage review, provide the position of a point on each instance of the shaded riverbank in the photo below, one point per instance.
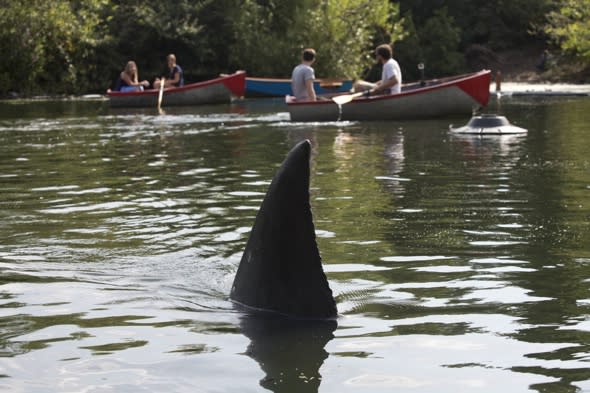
(540, 89)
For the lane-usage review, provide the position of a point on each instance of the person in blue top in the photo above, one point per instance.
(129, 80)
(175, 76)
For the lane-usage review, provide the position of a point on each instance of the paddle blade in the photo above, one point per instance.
(346, 98)
(161, 92)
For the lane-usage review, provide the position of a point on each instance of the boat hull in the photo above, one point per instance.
(438, 98)
(214, 91)
(268, 87)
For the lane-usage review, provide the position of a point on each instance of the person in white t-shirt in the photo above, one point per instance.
(391, 76)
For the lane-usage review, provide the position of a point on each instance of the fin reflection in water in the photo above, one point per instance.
(289, 351)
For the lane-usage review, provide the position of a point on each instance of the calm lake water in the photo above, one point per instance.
(458, 263)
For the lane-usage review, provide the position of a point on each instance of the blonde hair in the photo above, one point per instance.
(129, 70)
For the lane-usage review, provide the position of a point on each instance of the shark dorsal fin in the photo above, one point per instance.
(281, 268)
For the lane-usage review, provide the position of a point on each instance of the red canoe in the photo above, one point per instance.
(434, 98)
(215, 91)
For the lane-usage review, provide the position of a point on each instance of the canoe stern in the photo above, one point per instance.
(478, 87)
(236, 83)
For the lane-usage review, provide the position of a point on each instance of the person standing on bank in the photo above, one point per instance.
(303, 76)
(391, 76)
(175, 76)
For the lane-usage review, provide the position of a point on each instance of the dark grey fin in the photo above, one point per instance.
(281, 268)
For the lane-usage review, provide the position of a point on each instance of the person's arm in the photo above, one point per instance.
(310, 89)
(131, 82)
(388, 84)
(125, 78)
(172, 82)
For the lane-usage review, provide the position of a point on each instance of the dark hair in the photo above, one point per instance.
(308, 54)
(384, 51)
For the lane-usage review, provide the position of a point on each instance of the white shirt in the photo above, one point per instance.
(391, 68)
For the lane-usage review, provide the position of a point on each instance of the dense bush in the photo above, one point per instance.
(80, 46)
(569, 28)
(341, 31)
(49, 44)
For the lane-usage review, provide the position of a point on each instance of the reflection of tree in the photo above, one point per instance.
(290, 352)
(348, 191)
(555, 174)
(544, 178)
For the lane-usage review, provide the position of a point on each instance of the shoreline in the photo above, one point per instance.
(506, 88)
(540, 89)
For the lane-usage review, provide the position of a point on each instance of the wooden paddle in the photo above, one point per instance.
(346, 98)
(161, 93)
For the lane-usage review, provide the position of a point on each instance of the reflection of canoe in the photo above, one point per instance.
(214, 91)
(268, 87)
(434, 98)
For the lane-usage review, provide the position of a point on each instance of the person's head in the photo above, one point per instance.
(171, 60)
(131, 69)
(308, 55)
(383, 52)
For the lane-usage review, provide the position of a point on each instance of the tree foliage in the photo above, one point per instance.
(77, 46)
(147, 30)
(48, 43)
(569, 27)
(272, 34)
(443, 33)
(356, 25)
(435, 43)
